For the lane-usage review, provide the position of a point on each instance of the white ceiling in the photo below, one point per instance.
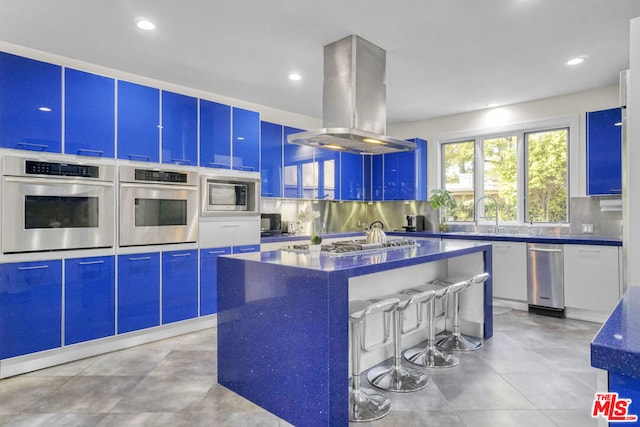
(443, 57)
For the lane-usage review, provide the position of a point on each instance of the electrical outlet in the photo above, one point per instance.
(587, 228)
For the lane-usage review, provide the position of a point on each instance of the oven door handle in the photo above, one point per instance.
(39, 180)
(158, 186)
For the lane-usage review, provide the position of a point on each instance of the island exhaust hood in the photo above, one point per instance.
(354, 112)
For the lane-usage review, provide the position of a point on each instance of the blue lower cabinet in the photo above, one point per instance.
(246, 248)
(30, 307)
(138, 291)
(209, 279)
(89, 299)
(179, 285)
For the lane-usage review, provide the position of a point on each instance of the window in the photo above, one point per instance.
(526, 172)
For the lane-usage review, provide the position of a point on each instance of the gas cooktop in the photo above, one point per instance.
(346, 247)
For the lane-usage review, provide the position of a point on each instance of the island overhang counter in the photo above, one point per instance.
(283, 339)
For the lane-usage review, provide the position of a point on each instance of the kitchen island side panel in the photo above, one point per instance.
(273, 339)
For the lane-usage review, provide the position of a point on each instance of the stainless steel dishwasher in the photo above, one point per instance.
(545, 279)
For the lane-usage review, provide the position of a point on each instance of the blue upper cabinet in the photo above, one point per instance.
(377, 177)
(89, 114)
(327, 174)
(271, 159)
(298, 161)
(30, 307)
(402, 175)
(246, 140)
(138, 122)
(215, 135)
(352, 176)
(179, 129)
(604, 152)
(30, 104)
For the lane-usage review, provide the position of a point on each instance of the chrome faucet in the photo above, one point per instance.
(477, 215)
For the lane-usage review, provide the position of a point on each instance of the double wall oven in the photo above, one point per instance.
(56, 205)
(157, 206)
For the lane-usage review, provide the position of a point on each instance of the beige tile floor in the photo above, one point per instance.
(535, 371)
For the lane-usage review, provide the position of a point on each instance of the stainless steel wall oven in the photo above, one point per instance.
(56, 205)
(157, 206)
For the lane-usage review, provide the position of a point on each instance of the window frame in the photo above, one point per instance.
(519, 130)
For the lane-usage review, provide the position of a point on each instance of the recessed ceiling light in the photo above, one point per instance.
(575, 61)
(295, 76)
(145, 24)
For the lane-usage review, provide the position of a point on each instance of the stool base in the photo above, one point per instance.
(460, 343)
(366, 404)
(397, 378)
(430, 358)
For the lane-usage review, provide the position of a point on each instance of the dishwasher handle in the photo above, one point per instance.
(544, 250)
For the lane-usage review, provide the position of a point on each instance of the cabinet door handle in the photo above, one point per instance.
(140, 258)
(544, 250)
(98, 153)
(181, 161)
(245, 168)
(220, 165)
(231, 226)
(247, 249)
(139, 156)
(33, 145)
(34, 267)
(180, 255)
(215, 252)
(91, 262)
(615, 191)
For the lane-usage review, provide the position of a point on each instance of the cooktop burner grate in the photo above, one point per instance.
(353, 246)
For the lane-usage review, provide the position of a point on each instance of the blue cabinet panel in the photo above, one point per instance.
(295, 157)
(209, 279)
(367, 173)
(377, 178)
(400, 176)
(89, 114)
(138, 122)
(246, 140)
(215, 135)
(271, 159)
(179, 129)
(30, 104)
(328, 174)
(89, 299)
(30, 307)
(179, 285)
(246, 248)
(138, 291)
(351, 176)
(604, 152)
(421, 169)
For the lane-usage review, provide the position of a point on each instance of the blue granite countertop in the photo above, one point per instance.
(506, 237)
(502, 237)
(424, 251)
(616, 347)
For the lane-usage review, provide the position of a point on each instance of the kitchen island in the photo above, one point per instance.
(283, 319)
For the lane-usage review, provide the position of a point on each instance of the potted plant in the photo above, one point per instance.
(442, 200)
(309, 215)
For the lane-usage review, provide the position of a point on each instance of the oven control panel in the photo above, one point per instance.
(160, 176)
(33, 167)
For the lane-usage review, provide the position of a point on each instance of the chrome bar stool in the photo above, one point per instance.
(396, 377)
(366, 404)
(430, 356)
(457, 341)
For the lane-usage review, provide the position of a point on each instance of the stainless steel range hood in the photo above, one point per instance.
(354, 111)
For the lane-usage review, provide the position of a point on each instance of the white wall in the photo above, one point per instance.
(631, 175)
(483, 121)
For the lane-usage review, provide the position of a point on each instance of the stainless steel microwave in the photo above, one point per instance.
(230, 194)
